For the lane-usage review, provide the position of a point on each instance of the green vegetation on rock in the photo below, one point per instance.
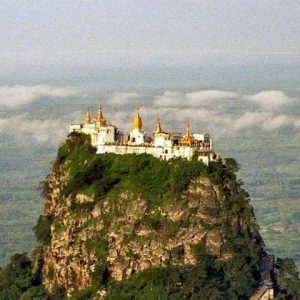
(115, 182)
(155, 180)
(42, 229)
(17, 280)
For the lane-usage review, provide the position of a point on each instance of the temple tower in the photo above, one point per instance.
(137, 134)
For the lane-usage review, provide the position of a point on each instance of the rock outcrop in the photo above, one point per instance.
(122, 232)
(133, 242)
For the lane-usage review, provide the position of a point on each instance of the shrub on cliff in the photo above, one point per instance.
(58, 293)
(206, 280)
(35, 293)
(18, 282)
(42, 230)
(287, 279)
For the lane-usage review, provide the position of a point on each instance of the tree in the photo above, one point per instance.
(35, 293)
(17, 278)
(287, 278)
(232, 164)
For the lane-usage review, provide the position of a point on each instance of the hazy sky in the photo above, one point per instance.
(156, 32)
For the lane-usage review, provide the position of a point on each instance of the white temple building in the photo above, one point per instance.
(163, 145)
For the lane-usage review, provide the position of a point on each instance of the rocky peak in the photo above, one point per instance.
(111, 216)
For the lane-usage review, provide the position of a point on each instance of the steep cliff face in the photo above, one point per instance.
(112, 216)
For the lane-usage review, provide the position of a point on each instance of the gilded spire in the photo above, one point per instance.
(99, 116)
(137, 122)
(187, 139)
(158, 126)
(187, 130)
(88, 117)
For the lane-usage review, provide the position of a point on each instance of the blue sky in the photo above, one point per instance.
(142, 33)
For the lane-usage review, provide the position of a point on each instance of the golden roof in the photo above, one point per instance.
(88, 117)
(158, 126)
(187, 138)
(100, 117)
(137, 122)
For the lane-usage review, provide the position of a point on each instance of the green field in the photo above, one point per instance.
(280, 226)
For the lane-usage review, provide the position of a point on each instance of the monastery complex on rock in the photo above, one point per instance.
(164, 145)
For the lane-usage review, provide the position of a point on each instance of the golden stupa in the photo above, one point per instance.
(88, 118)
(137, 122)
(187, 139)
(100, 117)
(158, 126)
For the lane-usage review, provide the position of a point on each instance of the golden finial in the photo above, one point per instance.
(158, 126)
(99, 116)
(187, 128)
(218, 157)
(137, 122)
(88, 117)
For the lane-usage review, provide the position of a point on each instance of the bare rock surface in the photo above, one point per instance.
(137, 237)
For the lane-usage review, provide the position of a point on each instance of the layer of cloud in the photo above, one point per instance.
(173, 113)
(270, 99)
(210, 120)
(267, 100)
(36, 131)
(205, 97)
(174, 119)
(13, 96)
(119, 98)
(196, 108)
(169, 99)
(195, 99)
(266, 121)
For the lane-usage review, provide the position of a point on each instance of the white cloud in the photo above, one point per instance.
(269, 100)
(266, 121)
(169, 99)
(195, 107)
(174, 109)
(203, 97)
(12, 96)
(249, 120)
(123, 98)
(277, 122)
(122, 119)
(194, 99)
(173, 119)
(37, 131)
